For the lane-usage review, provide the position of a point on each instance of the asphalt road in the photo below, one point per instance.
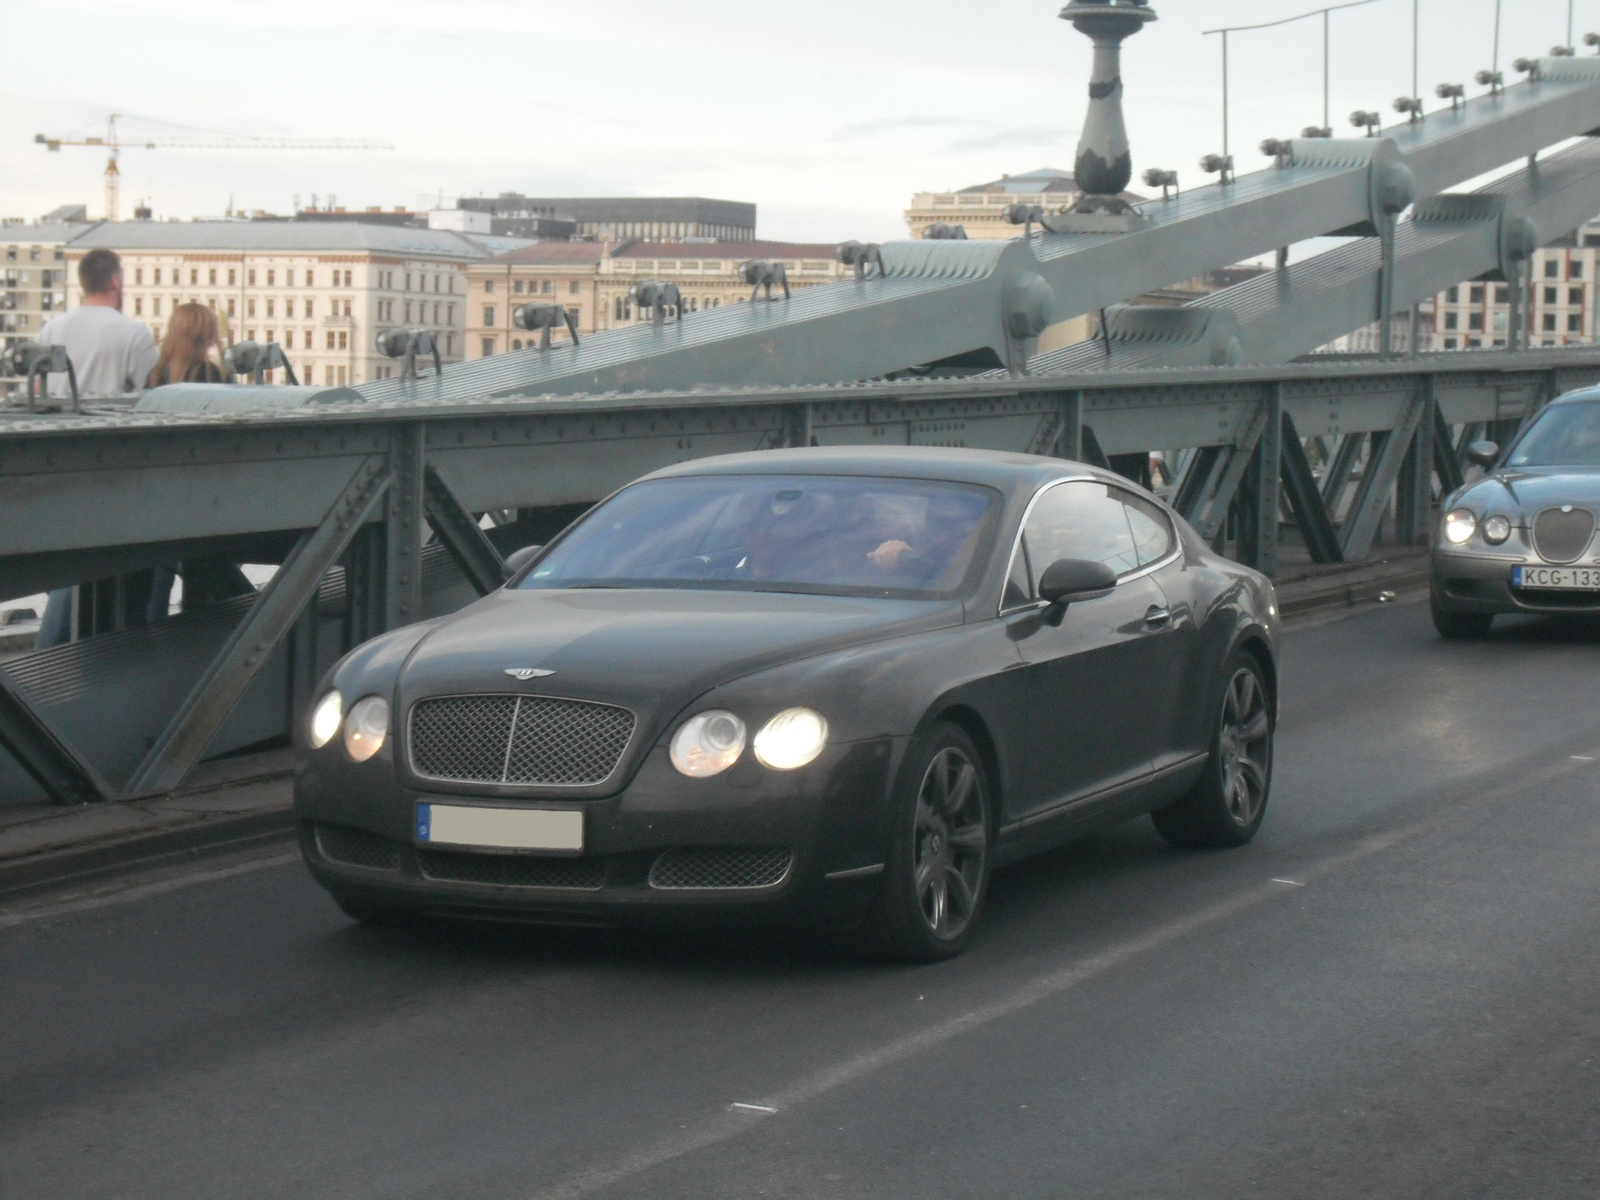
(1391, 993)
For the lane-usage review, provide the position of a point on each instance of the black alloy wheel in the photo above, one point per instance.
(1459, 625)
(938, 869)
(1226, 806)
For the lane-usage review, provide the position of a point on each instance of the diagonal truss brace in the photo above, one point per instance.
(1377, 480)
(1305, 501)
(42, 752)
(473, 553)
(213, 697)
(1211, 506)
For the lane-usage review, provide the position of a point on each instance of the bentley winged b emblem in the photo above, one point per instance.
(527, 672)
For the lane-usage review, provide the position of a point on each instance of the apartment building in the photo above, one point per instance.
(33, 276)
(321, 290)
(593, 281)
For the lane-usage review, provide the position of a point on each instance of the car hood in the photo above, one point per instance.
(1530, 489)
(650, 651)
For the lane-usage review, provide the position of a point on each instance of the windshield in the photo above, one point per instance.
(836, 534)
(1565, 435)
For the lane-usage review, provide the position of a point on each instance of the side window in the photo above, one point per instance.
(1078, 520)
(1152, 532)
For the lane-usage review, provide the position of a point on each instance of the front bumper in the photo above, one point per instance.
(1476, 583)
(750, 844)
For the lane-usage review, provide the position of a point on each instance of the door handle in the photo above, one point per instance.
(1155, 617)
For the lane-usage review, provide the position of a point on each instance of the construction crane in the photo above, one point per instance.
(114, 144)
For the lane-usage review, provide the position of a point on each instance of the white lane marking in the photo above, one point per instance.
(743, 1107)
(140, 891)
(1290, 882)
(720, 1127)
(1581, 757)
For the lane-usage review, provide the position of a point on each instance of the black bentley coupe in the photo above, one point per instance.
(837, 686)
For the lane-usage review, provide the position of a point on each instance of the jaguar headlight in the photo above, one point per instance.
(366, 727)
(708, 743)
(325, 718)
(791, 739)
(1496, 529)
(1459, 525)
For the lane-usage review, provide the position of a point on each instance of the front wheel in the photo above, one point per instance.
(938, 869)
(1226, 805)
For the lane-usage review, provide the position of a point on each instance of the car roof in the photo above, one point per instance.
(994, 468)
(1579, 396)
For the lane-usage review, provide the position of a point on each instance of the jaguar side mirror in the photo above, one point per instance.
(1483, 454)
(518, 559)
(1070, 579)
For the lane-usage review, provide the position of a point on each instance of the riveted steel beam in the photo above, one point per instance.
(42, 752)
(281, 601)
(1305, 501)
(1389, 449)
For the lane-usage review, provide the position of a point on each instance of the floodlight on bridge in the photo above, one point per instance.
(32, 360)
(255, 359)
(1220, 165)
(1530, 67)
(1410, 105)
(761, 273)
(654, 297)
(865, 255)
(407, 344)
(545, 317)
(1317, 131)
(1592, 39)
(1372, 122)
(1563, 51)
(1165, 180)
(1493, 80)
(1456, 93)
(943, 231)
(1280, 150)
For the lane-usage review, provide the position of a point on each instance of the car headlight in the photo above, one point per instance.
(366, 727)
(325, 718)
(708, 743)
(1459, 524)
(791, 739)
(1496, 529)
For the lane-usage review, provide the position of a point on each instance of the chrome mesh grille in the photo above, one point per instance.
(1560, 537)
(512, 870)
(721, 867)
(533, 740)
(357, 847)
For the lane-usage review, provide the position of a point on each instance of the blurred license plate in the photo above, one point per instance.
(1577, 579)
(500, 828)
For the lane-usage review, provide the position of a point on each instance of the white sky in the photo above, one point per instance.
(828, 114)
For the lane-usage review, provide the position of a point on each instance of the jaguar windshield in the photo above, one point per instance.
(834, 534)
(1565, 435)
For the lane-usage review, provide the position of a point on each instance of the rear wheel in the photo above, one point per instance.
(1226, 805)
(938, 869)
(1459, 624)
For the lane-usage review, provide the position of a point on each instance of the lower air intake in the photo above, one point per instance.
(721, 867)
(357, 848)
(512, 870)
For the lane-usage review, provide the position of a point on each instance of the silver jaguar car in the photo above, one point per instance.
(1522, 538)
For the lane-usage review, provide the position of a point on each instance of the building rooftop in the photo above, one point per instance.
(1045, 179)
(601, 209)
(307, 236)
(44, 231)
(739, 250)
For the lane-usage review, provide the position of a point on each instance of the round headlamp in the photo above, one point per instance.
(325, 718)
(1496, 529)
(791, 739)
(1459, 524)
(708, 743)
(366, 727)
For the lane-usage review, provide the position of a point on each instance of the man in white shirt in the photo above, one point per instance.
(111, 354)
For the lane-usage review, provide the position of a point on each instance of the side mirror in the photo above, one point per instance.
(518, 559)
(1483, 454)
(1069, 579)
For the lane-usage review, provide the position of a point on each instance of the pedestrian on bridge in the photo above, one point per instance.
(191, 352)
(111, 354)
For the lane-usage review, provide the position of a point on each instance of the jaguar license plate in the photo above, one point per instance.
(558, 830)
(1573, 579)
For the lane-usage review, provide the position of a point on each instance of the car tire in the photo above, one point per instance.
(1459, 625)
(1227, 803)
(937, 872)
(373, 912)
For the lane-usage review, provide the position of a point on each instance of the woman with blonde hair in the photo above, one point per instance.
(186, 351)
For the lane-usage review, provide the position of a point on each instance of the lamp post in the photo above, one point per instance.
(1104, 165)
